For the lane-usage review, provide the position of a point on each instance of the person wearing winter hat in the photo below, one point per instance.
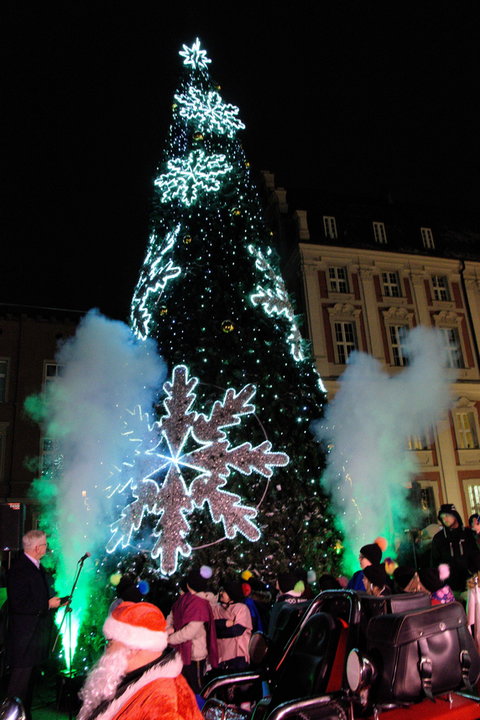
(233, 624)
(257, 594)
(434, 582)
(192, 628)
(375, 580)
(257, 624)
(138, 676)
(455, 545)
(370, 554)
(402, 578)
(474, 525)
(287, 595)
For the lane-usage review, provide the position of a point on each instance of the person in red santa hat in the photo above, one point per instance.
(139, 676)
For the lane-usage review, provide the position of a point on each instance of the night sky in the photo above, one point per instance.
(360, 98)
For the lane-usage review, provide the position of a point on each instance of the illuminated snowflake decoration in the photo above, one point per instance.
(188, 177)
(184, 464)
(194, 56)
(209, 112)
(155, 275)
(275, 301)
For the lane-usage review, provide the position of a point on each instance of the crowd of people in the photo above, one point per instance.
(208, 628)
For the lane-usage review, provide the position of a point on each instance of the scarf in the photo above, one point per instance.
(190, 608)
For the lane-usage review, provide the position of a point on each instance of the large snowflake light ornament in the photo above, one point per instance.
(185, 464)
(187, 178)
(209, 112)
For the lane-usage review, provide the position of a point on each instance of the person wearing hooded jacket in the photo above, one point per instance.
(192, 628)
(233, 624)
(455, 545)
(287, 595)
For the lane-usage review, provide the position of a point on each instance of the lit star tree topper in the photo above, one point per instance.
(186, 465)
(194, 56)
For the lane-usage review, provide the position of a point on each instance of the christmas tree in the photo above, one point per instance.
(232, 474)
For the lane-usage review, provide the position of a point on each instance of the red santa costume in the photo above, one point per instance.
(156, 691)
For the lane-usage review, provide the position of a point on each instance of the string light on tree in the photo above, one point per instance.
(276, 301)
(157, 271)
(230, 321)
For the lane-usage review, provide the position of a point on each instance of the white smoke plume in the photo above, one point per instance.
(106, 373)
(367, 427)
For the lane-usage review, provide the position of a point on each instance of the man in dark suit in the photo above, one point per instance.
(29, 603)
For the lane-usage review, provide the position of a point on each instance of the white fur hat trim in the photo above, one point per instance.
(133, 636)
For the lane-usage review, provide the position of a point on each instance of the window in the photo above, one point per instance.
(391, 284)
(440, 288)
(3, 445)
(47, 455)
(427, 505)
(397, 344)
(338, 279)
(454, 350)
(472, 492)
(3, 380)
(419, 442)
(345, 340)
(427, 238)
(422, 497)
(379, 233)
(466, 429)
(330, 227)
(52, 371)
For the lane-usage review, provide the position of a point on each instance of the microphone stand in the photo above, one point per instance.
(412, 536)
(68, 616)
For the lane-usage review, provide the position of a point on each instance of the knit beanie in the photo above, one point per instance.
(434, 578)
(127, 588)
(198, 580)
(376, 575)
(403, 575)
(140, 626)
(372, 552)
(234, 590)
(286, 581)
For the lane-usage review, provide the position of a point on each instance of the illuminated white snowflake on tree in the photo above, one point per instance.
(181, 445)
(188, 177)
(194, 56)
(276, 301)
(209, 112)
(155, 275)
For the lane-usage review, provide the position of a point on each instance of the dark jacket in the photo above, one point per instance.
(29, 619)
(282, 600)
(459, 549)
(356, 581)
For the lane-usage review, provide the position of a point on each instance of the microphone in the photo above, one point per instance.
(84, 557)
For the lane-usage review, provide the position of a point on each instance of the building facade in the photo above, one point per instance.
(364, 274)
(29, 340)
